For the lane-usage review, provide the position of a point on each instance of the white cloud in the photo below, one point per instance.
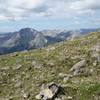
(85, 4)
(26, 4)
(19, 9)
(2, 17)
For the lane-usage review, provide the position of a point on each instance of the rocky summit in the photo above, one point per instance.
(68, 70)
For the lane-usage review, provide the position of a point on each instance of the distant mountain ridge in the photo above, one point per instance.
(28, 38)
(22, 40)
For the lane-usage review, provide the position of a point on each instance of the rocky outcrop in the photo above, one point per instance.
(78, 67)
(50, 93)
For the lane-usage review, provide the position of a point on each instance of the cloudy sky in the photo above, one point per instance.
(49, 14)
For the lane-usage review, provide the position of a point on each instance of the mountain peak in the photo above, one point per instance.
(28, 33)
(24, 30)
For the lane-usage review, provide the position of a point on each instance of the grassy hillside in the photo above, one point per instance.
(25, 71)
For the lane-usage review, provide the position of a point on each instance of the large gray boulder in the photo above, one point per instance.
(49, 93)
(78, 67)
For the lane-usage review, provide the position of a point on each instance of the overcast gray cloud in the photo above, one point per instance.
(19, 9)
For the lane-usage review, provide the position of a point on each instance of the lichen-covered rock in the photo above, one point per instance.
(49, 93)
(45, 95)
(96, 48)
(36, 65)
(66, 79)
(25, 95)
(78, 67)
(96, 52)
(62, 75)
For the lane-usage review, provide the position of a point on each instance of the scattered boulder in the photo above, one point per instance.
(96, 52)
(69, 98)
(62, 75)
(66, 79)
(45, 95)
(49, 93)
(96, 48)
(36, 65)
(96, 55)
(25, 95)
(78, 67)
(95, 63)
(17, 67)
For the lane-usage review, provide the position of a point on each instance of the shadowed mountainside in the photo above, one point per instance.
(28, 38)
